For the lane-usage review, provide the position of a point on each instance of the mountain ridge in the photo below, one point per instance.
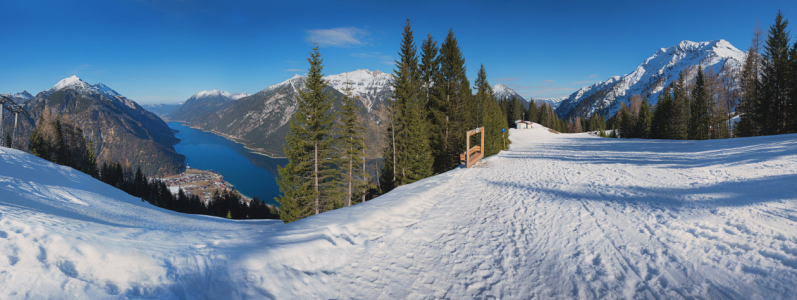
(650, 77)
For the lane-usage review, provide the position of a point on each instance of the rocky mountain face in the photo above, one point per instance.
(120, 129)
(202, 103)
(650, 78)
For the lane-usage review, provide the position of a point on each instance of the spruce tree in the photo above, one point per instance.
(644, 120)
(680, 116)
(492, 118)
(773, 104)
(749, 123)
(453, 115)
(309, 178)
(531, 113)
(699, 121)
(353, 147)
(414, 157)
(429, 73)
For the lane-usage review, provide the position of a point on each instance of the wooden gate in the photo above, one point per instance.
(471, 157)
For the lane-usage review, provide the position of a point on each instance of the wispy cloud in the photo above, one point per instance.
(294, 70)
(338, 37)
(593, 76)
(583, 82)
(387, 59)
(549, 81)
(505, 79)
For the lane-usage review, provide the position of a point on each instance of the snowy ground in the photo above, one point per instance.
(556, 216)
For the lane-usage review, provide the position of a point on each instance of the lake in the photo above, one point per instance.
(252, 174)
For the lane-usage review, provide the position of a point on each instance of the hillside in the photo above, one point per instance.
(556, 216)
(120, 129)
(650, 77)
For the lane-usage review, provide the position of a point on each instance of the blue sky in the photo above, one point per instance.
(166, 50)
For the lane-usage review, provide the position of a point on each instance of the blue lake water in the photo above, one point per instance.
(252, 174)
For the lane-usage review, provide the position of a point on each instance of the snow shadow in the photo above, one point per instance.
(723, 194)
(669, 153)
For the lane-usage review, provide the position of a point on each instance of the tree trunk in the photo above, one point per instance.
(317, 193)
(351, 176)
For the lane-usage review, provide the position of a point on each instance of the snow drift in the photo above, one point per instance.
(556, 216)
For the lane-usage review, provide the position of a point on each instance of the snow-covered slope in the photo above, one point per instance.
(556, 216)
(650, 77)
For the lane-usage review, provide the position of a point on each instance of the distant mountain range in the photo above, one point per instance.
(120, 129)
(162, 110)
(649, 78)
(204, 102)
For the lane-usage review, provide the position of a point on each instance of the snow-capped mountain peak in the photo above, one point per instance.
(70, 82)
(650, 77)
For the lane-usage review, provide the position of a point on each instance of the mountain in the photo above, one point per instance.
(202, 103)
(20, 98)
(372, 88)
(161, 109)
(501, 91)
(650, 77)
(120, 129)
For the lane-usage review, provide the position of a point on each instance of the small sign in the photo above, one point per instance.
(503, 129)
(477, 130)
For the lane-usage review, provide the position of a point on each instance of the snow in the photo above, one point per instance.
(556, 216)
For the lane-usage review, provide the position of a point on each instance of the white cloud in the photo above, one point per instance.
(593, 76)
(294, 70)
(338, 37)
(549, 81)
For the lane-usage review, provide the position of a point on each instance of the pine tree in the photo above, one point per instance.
(309, 178)
(792, 102)
(749, 120)
(531, 113)
(644, 120)
(452, 90)
(60, 147)
(429, 73)
(91, 161)
(775, 87)
(492, 118)
(699, 121)
(680, 117)
(625, 120)
(353, 147)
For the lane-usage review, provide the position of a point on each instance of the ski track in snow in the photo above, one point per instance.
(556, 216)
